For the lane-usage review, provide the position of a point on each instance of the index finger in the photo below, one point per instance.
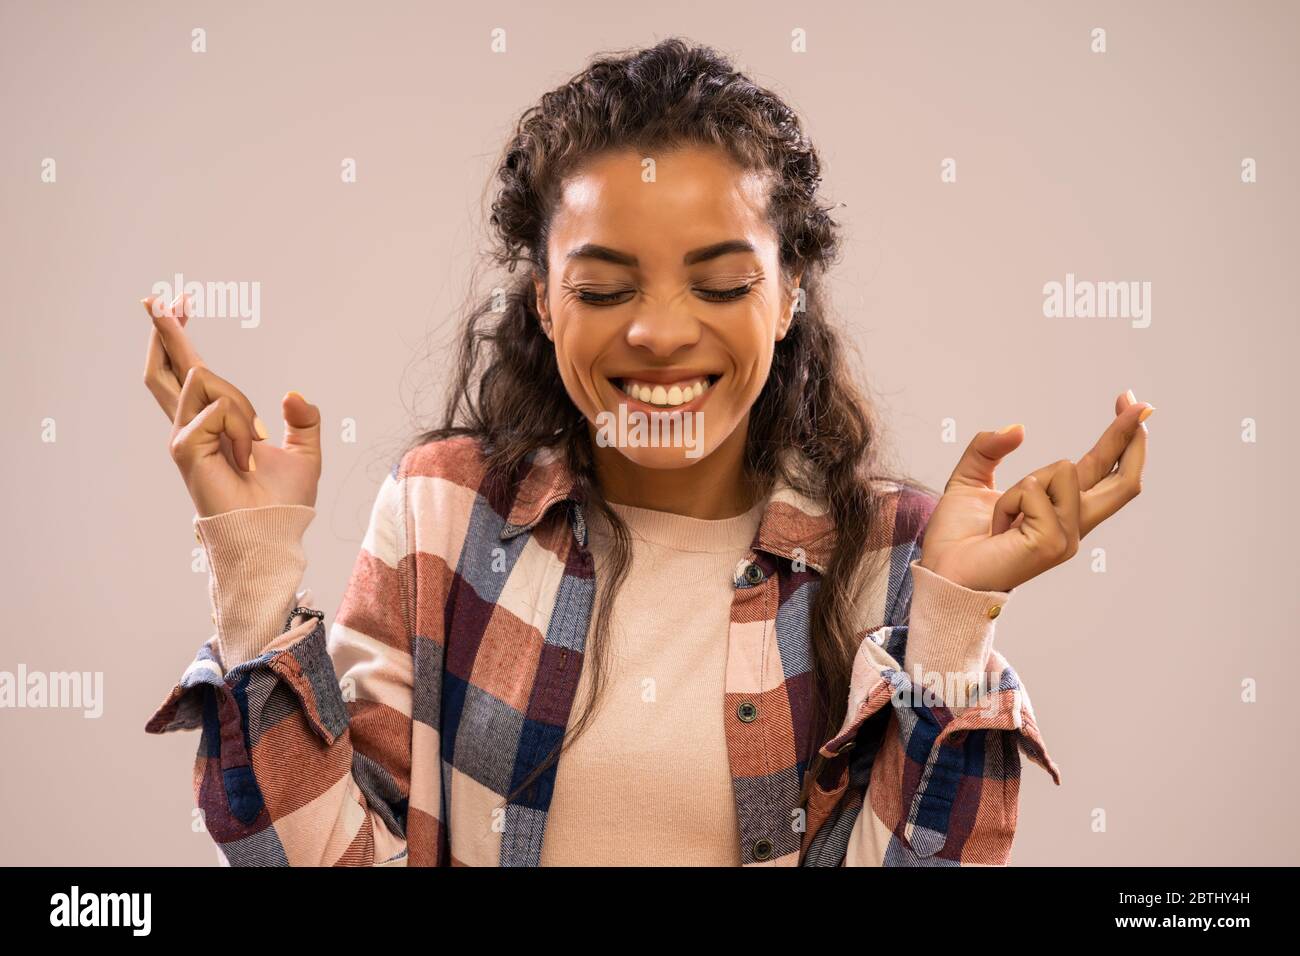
(1119, 487)
(159, 376)
(1101, 459)
(180, 352)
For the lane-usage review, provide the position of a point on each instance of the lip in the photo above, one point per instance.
(623, 398)
(665, 376)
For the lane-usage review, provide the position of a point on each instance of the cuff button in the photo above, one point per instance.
(995, 610)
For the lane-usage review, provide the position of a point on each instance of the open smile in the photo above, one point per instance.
(683, 395)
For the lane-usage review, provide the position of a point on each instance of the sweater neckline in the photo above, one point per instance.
(684, 533)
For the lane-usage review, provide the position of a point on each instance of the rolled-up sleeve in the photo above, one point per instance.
(305, 755)
(950, 635)
(931, 749)
(256, 562)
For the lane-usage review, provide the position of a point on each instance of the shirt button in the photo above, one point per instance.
(995, 610)
(753, 573)
(747, 711)
(762, 849)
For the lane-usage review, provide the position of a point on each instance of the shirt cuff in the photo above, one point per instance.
(950, 635)
(256, 563)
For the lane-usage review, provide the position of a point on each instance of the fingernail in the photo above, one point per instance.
(252, 465)
(1003, 431)
(259, 427)
(299, 394)
(1131, 396)
(1146, 413)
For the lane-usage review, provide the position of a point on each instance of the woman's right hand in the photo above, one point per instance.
(217, 440)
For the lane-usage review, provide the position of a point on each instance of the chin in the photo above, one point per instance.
(665, 459)
(657, 440)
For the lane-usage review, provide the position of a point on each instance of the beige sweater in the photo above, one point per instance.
(623, 793)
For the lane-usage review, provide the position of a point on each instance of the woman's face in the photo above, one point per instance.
(664, 298)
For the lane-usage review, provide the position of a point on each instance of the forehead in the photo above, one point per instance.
(697, 196)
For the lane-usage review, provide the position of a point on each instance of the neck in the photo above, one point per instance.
(712, 488)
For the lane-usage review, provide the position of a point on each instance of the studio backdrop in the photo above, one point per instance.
(1043, 205)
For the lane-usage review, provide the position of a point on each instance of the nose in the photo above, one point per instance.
(663, 329)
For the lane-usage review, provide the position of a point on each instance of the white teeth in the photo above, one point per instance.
(667, 396)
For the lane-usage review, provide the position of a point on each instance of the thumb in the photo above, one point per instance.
(983, 455)
(301, 423)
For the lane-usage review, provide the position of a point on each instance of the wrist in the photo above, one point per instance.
(950, 573)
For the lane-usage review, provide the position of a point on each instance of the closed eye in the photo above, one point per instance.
(709, 295)
(726, 295)
(601, 298)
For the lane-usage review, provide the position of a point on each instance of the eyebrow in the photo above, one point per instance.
(591, 250)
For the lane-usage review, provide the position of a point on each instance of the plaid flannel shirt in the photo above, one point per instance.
(451, 666)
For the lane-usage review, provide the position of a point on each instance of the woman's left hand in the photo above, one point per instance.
(988, 540)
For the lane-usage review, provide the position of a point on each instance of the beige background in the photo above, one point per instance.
(1116, 166)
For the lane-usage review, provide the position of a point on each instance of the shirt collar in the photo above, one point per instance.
(793, 526)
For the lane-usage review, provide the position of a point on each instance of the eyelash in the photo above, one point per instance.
(727, 295)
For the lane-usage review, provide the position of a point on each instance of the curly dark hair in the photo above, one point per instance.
(507, 391)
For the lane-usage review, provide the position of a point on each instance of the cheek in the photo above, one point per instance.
(751, 344)
(575, 354)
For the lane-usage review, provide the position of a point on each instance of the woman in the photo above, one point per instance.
(772, 670)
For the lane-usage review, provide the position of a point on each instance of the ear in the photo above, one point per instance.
(543, 307)
(792, 300)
